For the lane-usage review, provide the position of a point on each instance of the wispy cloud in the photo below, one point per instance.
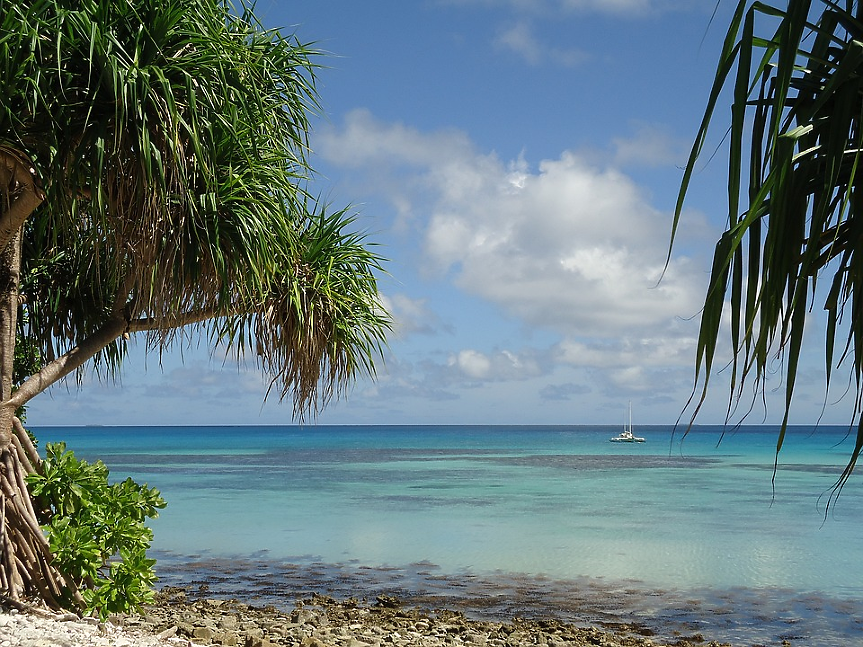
(412, 316)
(520, 38)
(628, 7)
(609, 6)
(497, 366)
(650, 145)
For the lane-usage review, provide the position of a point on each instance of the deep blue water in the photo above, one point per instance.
(683, 535)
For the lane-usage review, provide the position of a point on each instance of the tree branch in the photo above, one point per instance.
(146, 324)
(21, 192)
(123, 293)
(113, 328)
(65, 364)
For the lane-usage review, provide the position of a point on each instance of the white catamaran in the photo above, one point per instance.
(626, 436)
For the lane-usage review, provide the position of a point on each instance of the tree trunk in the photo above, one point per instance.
(10, 275)
(25, 557)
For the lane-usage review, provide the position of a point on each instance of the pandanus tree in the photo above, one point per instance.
(153, 159)
(794, 239)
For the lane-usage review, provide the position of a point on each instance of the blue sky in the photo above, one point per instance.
(518, 161)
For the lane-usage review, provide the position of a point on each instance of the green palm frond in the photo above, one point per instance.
(322, 322)
(798, 99)
(171, 139)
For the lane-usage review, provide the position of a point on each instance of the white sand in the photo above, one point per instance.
(29, 630)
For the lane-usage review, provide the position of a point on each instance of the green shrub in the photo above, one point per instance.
(97, 530)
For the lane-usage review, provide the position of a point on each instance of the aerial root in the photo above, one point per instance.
(26, 570)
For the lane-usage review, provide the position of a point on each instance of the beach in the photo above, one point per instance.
(181, 620)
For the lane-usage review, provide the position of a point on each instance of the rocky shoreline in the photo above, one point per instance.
(177, 620)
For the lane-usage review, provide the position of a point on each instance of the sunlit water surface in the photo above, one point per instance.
(682, 536)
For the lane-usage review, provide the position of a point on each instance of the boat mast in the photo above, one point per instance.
(630, 417)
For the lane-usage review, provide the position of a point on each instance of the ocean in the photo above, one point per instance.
(680, 535)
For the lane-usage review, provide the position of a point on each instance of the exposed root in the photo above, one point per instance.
(26, 570)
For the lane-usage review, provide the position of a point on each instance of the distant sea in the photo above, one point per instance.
(682, 535)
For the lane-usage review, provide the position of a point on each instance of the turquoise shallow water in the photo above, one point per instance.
(681, 535)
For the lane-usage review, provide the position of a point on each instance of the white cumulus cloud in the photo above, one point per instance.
(566, 245)
(576, 248)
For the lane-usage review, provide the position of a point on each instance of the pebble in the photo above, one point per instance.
(317, 622)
